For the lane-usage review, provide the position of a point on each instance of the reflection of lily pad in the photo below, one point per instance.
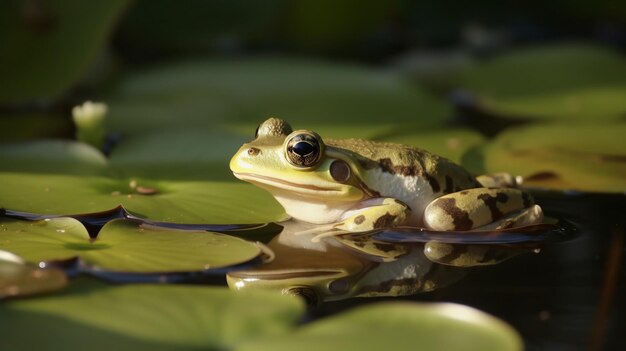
(20, 279)
(583, 157)
(567, 81)
(399, 326)
(124, 246)
(144, 317)
(451, 143)
(48, 46)
(199, 94)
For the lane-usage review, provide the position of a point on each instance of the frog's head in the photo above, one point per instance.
(299, 170)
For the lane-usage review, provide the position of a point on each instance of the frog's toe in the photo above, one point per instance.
(528, 216)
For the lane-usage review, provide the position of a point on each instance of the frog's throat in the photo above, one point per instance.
(283, 184)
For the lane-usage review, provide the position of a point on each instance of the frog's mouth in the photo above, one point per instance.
(283, 184)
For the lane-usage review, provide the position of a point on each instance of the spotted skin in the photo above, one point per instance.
(385, 252)
(472, 208)
(460, 255)
(388, 213)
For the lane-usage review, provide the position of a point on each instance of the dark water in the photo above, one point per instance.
(570, 296)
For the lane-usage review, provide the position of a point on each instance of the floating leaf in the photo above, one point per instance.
(199, 94)
(176, 202)
(20, 279)
(144, 317)
(573, 156)
(177, 155)
(48, 46)
(399, 326)
(124, 246)
(52, 156)
(143, 248)
(449, 143)
(565, 81)
(180, 154)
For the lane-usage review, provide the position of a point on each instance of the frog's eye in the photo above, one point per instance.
(303, 149)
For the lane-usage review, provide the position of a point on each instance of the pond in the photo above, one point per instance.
(122, 225)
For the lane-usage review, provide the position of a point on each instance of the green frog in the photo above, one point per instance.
(354, 185)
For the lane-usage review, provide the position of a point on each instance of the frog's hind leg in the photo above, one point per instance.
(475, 208)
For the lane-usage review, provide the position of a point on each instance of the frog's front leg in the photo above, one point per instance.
(475, 208)
(376, 213)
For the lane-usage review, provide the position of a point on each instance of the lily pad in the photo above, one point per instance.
(43, 177)
(189, 202)
(399, 326)
(48, 46)
(573, 156)
(199, 94)
(20, 279)
(180, 154)
(52, 156)
(145, 317)
(570, 81)
(124, 246)
(449, 143)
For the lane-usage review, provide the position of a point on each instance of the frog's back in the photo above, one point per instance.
(410, 174)
(444, 175)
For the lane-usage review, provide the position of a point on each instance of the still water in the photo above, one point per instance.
(570, 296)
(562, 286)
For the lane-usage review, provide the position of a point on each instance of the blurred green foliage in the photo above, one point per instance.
(49, 46)
(567, 81)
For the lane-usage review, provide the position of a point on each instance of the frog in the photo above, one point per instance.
(355, 185)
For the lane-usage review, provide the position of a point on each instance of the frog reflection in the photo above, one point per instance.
(349, 266)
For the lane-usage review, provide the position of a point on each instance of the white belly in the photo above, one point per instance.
(416, 192)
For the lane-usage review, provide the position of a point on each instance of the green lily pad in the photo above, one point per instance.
(449, 143)
(43, 177)
(176, 202)
(568, 81)
(399, 326)
(573, 156)
(145, 317)
(179, 154)
(124, 246)
(199, 94)
(52, 156)
(20, 279)
(48, 46)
